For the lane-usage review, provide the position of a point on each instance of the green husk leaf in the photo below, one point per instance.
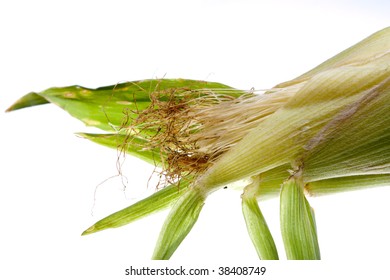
(297, 223)
(272, 180)
(347, 183)
(120, 142)
(257, 226)
(179, 223)
(158, 201)
(355, 142)
(361, 53)
(103, 107)
(110, 107)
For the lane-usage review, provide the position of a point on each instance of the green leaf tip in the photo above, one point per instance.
(89, 230)
(149, 205)
(29, 100)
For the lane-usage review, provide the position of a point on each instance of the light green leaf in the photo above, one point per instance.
(110, 107)
(272, 180)
(179, 223)
(347, 183)
(156, 202)
(297, 223)
(256, 225)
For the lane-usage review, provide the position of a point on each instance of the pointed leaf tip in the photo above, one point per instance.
(158, 201)
(29, 100)
(89, 230)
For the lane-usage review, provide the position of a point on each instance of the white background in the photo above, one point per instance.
(49, 176)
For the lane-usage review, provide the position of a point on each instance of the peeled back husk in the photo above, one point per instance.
(339, 116)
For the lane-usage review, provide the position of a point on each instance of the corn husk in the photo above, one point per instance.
(324, 132)
(349, 97)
